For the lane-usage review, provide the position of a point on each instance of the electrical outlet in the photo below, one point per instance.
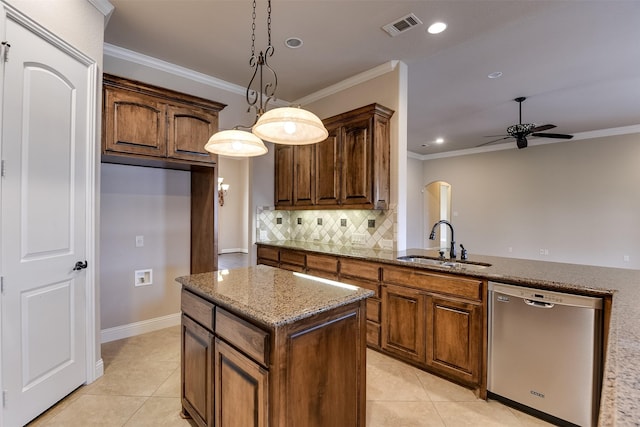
(386, 243)
(315, 236)
(139, 241)
(263, 235)
(143, 277)
(625, 258)
(358, 238)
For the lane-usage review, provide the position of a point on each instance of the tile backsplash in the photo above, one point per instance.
(369, 228)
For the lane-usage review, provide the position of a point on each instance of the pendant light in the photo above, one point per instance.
(284, 125)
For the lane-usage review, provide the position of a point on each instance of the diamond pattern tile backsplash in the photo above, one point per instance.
(368, 228)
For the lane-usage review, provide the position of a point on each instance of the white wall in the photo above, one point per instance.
(233, 216)
(580, 200)
(415, 205)
(155, 204)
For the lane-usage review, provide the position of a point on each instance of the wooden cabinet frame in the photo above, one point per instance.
(350, 169)
(434, 320)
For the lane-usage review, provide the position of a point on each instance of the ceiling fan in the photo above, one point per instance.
(522, 130)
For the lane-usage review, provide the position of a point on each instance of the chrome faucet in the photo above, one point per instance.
(432, 236)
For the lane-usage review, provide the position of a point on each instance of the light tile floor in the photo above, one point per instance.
(141, 387)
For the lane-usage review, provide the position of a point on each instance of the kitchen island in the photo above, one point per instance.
(620, 288)
(264, 346)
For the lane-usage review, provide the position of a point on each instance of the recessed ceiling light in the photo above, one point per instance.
(437, 28)
(293, 42)
(495, 75)
(439, 140)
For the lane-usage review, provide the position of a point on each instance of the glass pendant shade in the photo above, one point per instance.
(235, 143)
(290, 126)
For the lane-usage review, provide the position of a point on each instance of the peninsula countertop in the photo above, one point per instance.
(271, 296)
(620, 403)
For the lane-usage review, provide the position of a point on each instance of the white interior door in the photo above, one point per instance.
(44, 212)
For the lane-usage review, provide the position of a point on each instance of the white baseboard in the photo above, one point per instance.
(137, 328)
(99, 369)
(234, 250)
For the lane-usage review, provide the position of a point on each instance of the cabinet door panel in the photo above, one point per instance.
(303, 186)
(283, 175)
(189, 131)
(327, 170)
(241, 389)
(323, 382)
(356, 163)
(134, 124)
(197, 371)
(454, 338)
(403, 322)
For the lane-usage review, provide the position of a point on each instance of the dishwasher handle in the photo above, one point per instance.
(538, 304)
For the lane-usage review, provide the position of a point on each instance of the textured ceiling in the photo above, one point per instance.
(578, 62)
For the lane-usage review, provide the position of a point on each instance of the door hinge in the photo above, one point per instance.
(2, 168)
(4, 398)
(2, 285)
(5, 51)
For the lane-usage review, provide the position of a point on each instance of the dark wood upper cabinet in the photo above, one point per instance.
(304, 188)
(350, 169)
(189, 130)
(147, 125)
(327, 180)
(283, 175)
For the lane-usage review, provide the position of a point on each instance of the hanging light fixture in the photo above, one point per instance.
(284, 125)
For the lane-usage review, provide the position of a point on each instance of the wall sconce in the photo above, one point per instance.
(222, 191)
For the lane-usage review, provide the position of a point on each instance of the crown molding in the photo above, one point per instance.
(349, 82)
(177, 70)
(601, 133)
(105, 7)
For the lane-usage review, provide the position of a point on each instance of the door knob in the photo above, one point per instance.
(80, 265)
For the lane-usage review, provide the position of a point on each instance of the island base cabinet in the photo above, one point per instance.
(324, 382)
(454, 336)
(311, 372)
(197, 372)
(241, 389)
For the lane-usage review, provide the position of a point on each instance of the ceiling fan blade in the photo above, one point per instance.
(495, 140)
(552, 135)
(496, 136)
(543, 127)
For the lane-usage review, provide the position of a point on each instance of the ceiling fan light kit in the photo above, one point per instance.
(285, 125)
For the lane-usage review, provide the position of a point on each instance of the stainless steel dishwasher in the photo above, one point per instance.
(545, 352)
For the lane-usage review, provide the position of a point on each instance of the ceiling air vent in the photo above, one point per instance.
(401, 25)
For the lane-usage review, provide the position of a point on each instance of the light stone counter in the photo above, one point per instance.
(271, 296)
(620, 404)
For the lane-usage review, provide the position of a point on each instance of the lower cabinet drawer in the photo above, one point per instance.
(373, 309)
(268, 253)
(252, 340)
(198, 309)
(465, 287)
(322, 262)
(373, 334)
(291, 257)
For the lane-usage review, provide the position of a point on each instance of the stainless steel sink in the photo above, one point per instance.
(454, 264)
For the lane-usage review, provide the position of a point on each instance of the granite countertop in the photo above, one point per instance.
(271, 296)
(620, 403)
